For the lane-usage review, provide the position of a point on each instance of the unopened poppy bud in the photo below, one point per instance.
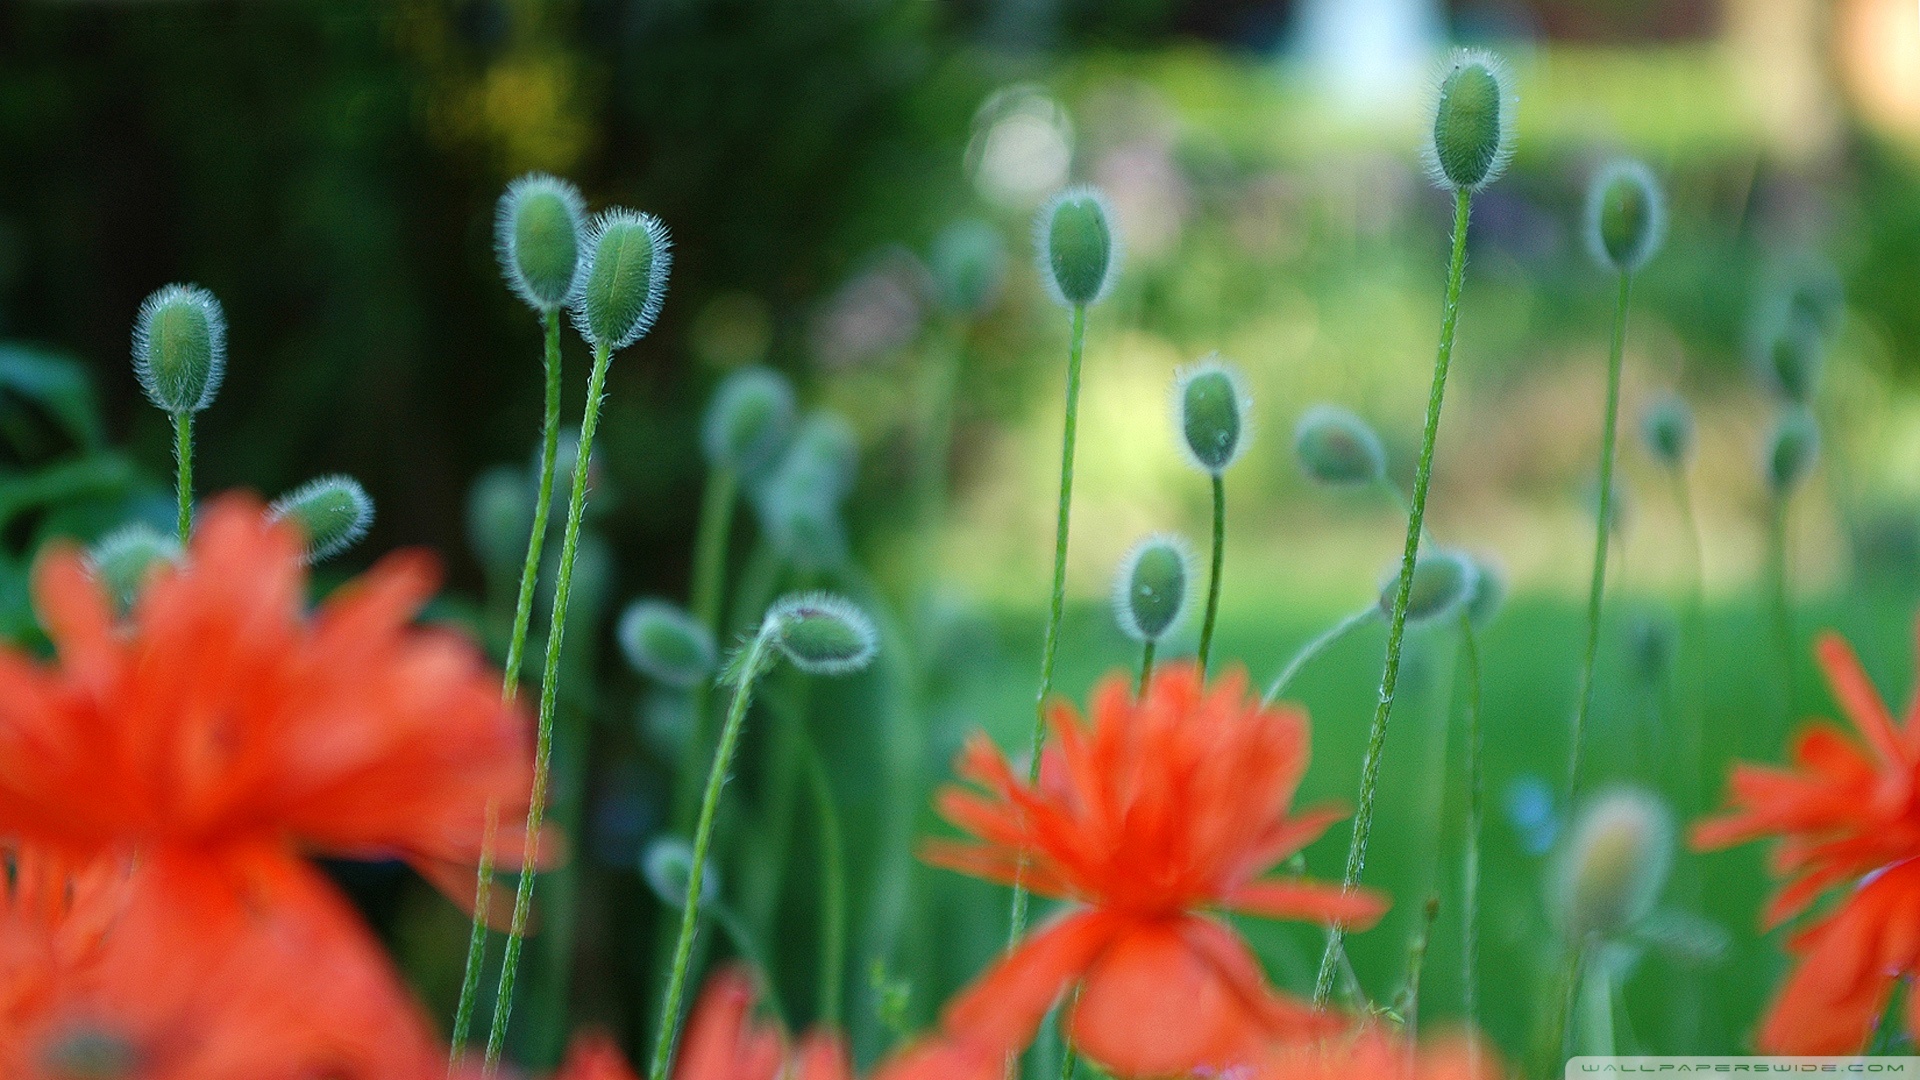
(1792, 450)
(667, 864)
(1792, 360)
(821, 461)
(665, 643)
(1338, 449)
(749, 422)
(1612, 865)
(1150, 591)
(500, 518)
(1472, 130)
(1079, 254)
(180, 348)
(628, 255)
(823, 634)
(1489, 591)
(1626, 216)
(122, 560)
(332, 512)
(1667, 428)
(968, 261)
(1211, 405)
(537, 232)
(1442, 581)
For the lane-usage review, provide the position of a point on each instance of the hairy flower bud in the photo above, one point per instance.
(1337, 448)
(1211, 405)
(628, 255)
(333, 513)
(123, 559)
(1612, 865)
(1792, 450)
(180, 348)
(749, 422)
(1626, 216)
(1150, 590)
(823, 634)
(1079, 253)
(968, 261)
(1471, 138)
(1667, 428)
(668, 864)
(1791, 360)
(1442, 580)
(537, 231)
(665, 643)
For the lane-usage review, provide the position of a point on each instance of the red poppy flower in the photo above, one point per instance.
(1161, 812)
(723, 1040)
(593, 1056)
(1845, 816)
(219, 717)
(165, 970)
(1370, 1053)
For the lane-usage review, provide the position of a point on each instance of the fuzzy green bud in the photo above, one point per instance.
(968, 262)
(537, 231)
(748, 422)
(1079, 253)
(822, 634)
(1211, 406)
(1791, 361)
(1150, 591)
(668, 864)
(1612, 865)
(1626, 216)
(1442, 581)
(1667, 428)
(665, 643)
(1472, 121)
(1791, 451)
(332, 512)
(123, 560)
(628, 255)
(1338, 449)
(180, 348)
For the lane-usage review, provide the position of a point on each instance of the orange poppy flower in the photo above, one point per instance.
(165, 970)
(1162, 811)
(1846, 815)
(219, 717)
(1371, 1053)
(723, 1040)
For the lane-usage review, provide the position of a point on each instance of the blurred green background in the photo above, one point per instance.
(329, 170)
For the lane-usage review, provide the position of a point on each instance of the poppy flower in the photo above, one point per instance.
(161, 970)
(724, 1041)
(1372, 1053)
(220, 718)
(1152, 819)
(1846, 820)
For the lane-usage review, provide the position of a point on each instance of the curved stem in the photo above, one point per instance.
(1076, 345)
(1470, 857)
(1314, 648)
(1146, 668)
(476, 943)
(1397, 620)
(833, 886)
(183, 462)
(549, 687)
(709, 586)
(1602, 532)
(702, 842)
(1213, 580)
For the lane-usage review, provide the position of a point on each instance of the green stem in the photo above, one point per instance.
(1416, 964)
(709, 583)
(833, 887)
(1560, 1021)
(702, 841)
(1781, 600)
(1146, 668)
(1397, 621)
(516, 647)
(1213, 580)
(1602, 532)
(1694, 645)
(1470, 858)
(183, 460)
(1017, 924)
(549, 687)
(1314, 648)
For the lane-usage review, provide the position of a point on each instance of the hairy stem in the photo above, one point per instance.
(1146, 668)
(1314, 648)
(1213, 579)
(1397, 620)
(1470, 856)
(709, 586)
(476, 943)
(183, 463)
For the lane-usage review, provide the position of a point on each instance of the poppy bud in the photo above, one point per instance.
(1472, 130)
(1792, 360)
(1651, 644)
(968, 261)
(1079, 255)
(822, 459)
(749, 421)
(1626, 216)
(122, 560)
(667, 644)
(537, 229)
(1442, 581)
(180, 348)
(1816, 297)
(628, 255)
(667, 864)
(1211, 404)
(333, 512)
(1612, 865)
(500, 518)
(1667, 428)
(1489, 591)
(823, 634)
(1337, 448)
(1792, 450)
(1150, 591)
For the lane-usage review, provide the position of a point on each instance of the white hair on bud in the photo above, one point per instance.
(506, 241)
(1502, 73)
(661, 247)
(1043, 237)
